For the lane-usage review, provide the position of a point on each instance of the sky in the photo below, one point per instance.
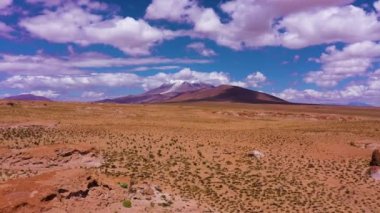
(315, 51)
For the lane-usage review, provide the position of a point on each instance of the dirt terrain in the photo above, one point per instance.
(194, 157)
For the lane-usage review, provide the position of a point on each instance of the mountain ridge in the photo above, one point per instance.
(195, 92)
(27, 97)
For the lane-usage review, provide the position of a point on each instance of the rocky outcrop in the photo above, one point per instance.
(256, 154)
(48, 158)
(375, 161)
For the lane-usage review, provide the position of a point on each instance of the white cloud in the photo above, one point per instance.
(125, 80)
(89, 4)
(257, 23)
(92, 95)
(5, 30)
(145, 68)
(37, 65)
(97, 60)
(172, 10)
(250, 24)
(253, 23)
(214, 78)
(48, 3)
(329, 25)
(71, 23)
(5, 3)
(377, 6)
(64, 82)
(374, 81)
(367, 92)
(45, 93)
(47, 65)
(353, 60)
(255, 79)
(201, 48)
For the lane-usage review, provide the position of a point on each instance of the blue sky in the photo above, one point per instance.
(316, 51)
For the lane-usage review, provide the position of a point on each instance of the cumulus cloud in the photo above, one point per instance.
(367, 92)
(92, 95)
(357, 93)
(247, 27)
(172, 10)
(125, 80)
(255, 79)
(74, 24)
(374, 81)
(353, 60)
(188, 75)
(252, 23)
(248, 24)
(256, 23)
(377, 5)
(201, 48)
(329, 25)
(5, 3)
(5, 30)
(45, 93)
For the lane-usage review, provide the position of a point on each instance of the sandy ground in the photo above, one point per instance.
(68, 157)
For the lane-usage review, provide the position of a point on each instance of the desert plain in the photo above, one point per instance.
(188, 157)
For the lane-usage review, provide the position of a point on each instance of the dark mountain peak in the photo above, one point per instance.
(27, 97)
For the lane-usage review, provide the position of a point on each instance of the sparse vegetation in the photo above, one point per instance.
(199, 151)
(123, 185)
(127, 204)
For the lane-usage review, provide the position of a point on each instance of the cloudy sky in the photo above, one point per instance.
(317, 51)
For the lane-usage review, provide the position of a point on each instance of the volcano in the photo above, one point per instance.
(197, 92)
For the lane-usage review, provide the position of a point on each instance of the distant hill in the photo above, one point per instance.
(27, 97)
(358, 104)
(188, 92)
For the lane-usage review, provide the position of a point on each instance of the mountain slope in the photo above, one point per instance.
(187, 92)
(141, 99)
(228, 94)
(27, 97)
(161, 94)
(179, 87)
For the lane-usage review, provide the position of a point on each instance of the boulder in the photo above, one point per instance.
(375, 172)
(375, 161)
(256, 154)
(148, 191)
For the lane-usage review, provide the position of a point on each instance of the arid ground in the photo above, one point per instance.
(68, 157)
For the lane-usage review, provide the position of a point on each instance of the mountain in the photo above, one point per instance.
(194, 92)
(179, 87)
(161, 94)
(358, 104)
(141, 99)
(227, 93)
(27, 97)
